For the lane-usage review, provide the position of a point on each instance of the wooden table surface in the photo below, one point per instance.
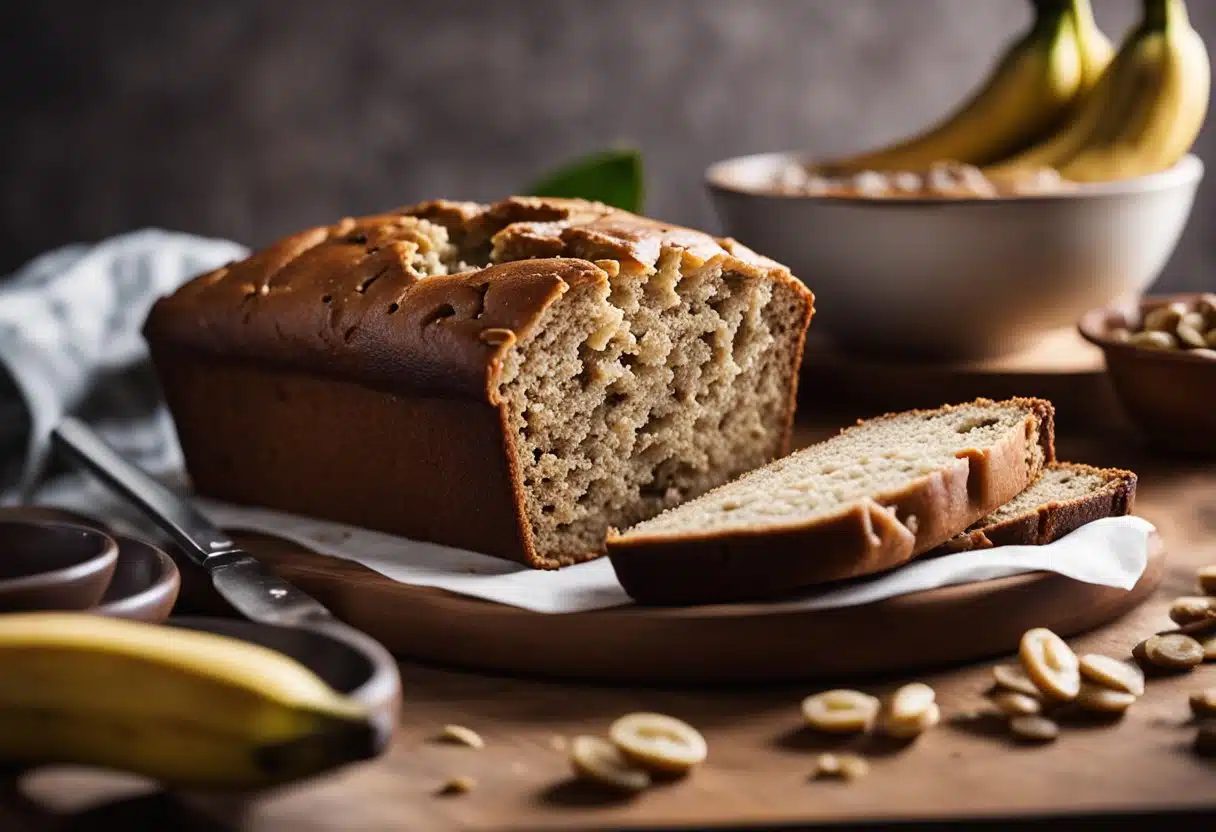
(760, 756)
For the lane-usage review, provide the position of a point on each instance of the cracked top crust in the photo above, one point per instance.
(424, 299)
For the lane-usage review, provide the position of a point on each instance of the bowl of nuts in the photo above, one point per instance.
(952, 263)
(1161, 356)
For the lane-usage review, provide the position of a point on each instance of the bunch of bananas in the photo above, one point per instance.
(1062, 97)
(186, 707)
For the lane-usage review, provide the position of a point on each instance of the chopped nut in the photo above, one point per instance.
(911, 701)
(840, 711)
(1173, 651)
(1012, 677)
(1207, 579)
(909, 728)
(1034, 728)
(1050, 664)
(846, 766)
(458, 785)
(1153, 340)
(462, 736)
(1112, 673)
(1165, 318)
(1203, 702)
(1191, 608)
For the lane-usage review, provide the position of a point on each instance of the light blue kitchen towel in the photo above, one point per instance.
(70, 342)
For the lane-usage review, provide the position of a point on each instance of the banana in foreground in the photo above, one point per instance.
(188, 708)
(1025, 97)
(1158, 101)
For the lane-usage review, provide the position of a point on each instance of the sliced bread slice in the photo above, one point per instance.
(1066, 497)
(869, 499)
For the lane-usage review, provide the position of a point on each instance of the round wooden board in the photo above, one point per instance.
(728, 644)
(1062, 367)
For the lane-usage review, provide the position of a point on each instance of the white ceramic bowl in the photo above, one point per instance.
(952, 278)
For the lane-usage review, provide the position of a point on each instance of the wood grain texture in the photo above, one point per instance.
(760, 757)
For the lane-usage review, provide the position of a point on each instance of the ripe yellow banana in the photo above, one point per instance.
(1096, 49)
(1092, 103)
(1158, 102)
(189, 708)
(1026, 96)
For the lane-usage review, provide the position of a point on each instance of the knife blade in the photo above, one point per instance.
(240, 579)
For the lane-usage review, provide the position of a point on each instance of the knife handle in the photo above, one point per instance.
(202, 542)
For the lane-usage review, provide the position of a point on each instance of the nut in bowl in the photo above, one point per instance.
(1160, 356)
(959, 276)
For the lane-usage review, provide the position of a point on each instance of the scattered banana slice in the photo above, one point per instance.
(1191, 608)
(1050, 664)
(847, 766)
(1099, 698)
(1207, 579)
(1112, 673)
(841, 711)
(909, 728)
(1203, 703)
(1034, 728)
(462, 736)
(1012, 703)
(600, 761)
(658, 743)
(911, 701)
(1172, 651)
(1012, 677)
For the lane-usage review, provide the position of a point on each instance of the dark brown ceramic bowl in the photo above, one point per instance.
(53, 566)
(145, 583)
(1165, 392)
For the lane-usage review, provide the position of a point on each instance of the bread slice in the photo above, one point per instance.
(869, 499)
(1066, 497)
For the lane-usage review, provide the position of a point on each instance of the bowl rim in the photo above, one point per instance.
(167, 582)
(1186, 172)
(1094, 324)
(86, 569)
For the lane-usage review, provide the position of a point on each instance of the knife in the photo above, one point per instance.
(255, 591)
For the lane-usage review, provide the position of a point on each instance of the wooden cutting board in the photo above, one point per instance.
(705, 645)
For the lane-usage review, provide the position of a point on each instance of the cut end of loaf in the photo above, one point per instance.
(635, 396)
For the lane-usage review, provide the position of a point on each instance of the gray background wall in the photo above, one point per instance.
(250, 120)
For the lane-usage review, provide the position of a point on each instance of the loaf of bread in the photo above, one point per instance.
(1066, 497)
(510, 379)
(869, 499)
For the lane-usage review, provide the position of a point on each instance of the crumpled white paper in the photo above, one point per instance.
(1112, 552)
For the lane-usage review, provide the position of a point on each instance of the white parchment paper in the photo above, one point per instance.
(1112, 551)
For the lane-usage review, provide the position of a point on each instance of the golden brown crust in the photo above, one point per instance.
(1052, 520)
(864, 539)
(349, 301)
(394, 420)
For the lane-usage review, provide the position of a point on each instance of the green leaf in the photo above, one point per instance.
(614, 177)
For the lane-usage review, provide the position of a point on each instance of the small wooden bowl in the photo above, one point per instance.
(1165, 392)
(53, 566)
(145, 583)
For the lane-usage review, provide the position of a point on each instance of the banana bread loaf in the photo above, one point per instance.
(511, 379)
